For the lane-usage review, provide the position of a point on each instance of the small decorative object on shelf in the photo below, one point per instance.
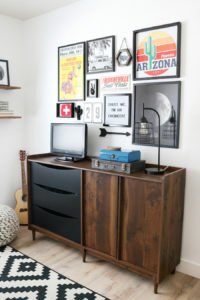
(4, 73)
(92, 88)
(65, 110)
(124, 55)
(120, 167)
(103, 132)
(78, 111)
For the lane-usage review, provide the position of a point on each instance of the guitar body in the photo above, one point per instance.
(21, 208)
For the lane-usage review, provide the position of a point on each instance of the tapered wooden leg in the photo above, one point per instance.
(173, 271)
(155, 288)
(84, 255)
(33, 234)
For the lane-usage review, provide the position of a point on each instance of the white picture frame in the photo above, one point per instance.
(88, 112)
(97, 112)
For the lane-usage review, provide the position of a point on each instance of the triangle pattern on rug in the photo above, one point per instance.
(23, 278)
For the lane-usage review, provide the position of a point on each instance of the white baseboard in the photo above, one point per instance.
(189, 267)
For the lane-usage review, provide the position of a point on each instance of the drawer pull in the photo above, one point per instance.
(48, 188)
(56, 213)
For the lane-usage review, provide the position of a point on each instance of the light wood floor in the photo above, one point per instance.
(103, 277)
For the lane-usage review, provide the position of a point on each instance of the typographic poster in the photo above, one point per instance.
(71, 72)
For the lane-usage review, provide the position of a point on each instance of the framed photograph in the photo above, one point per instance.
(92, 88)
(65, 110)
(88, 112)
(156, 52)
(4, 73)
(71, 72)
(101, 55)
(124, 57)
(164, 97)
(97, 112)
(117, 110)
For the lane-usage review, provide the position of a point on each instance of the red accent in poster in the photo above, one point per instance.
(65, 110)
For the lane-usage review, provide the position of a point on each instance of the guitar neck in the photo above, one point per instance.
(24, 185)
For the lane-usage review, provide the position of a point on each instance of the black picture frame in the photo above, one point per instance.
(116, 108)
(97, 62)
(168, 56)
(59, 113)
(165, 97)
(92, 88)
(76, 61)
(123, 57)
(4, 73)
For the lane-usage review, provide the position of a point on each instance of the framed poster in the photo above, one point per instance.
(97, 112)
(4, 73)
(101, 55)
(117, 110)
(164, 97)
(156, 52)
(71, 72)
(88, 112)
(65, 110)
(116, 84)
(92, 88)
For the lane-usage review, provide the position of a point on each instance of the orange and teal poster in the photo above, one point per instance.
(157, 52)
(71, 72)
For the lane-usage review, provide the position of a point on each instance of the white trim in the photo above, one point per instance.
(189, 267)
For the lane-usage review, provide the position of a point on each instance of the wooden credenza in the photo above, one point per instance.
(133, 221)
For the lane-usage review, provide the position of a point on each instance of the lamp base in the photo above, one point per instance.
(154, 171)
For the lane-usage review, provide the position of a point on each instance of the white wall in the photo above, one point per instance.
(11, 131)
(88, 19)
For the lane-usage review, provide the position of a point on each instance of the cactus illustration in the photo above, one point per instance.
(151, 53)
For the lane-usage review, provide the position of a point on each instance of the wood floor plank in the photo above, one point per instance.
(102, 277)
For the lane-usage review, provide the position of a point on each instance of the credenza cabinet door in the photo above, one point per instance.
(100, 212)
(140, 219)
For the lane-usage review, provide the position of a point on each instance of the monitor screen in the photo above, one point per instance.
(69, 139)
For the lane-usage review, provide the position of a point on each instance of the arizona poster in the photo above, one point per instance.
(71, 72)
(157, 52)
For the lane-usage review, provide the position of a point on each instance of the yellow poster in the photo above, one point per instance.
(71, 72)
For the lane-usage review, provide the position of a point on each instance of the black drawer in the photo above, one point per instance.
(54, 222)
(56, 177)
(57, 200)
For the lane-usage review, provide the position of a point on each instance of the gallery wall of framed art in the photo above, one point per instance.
(112, 100)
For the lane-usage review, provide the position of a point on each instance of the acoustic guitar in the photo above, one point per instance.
(21, 195)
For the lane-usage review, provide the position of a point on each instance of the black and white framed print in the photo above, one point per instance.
(92, 88)
(97, 112)
(4, 73)
(156, 52)
(117, 110)
(101, 55)
(88, 112)
(164, 97)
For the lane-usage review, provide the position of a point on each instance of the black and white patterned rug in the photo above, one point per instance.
(23, 278)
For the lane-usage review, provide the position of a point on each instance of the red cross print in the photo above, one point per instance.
(65, 110)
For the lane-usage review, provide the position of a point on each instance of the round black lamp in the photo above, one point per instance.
(144, 126)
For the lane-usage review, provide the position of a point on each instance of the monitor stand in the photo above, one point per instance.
(68, 158)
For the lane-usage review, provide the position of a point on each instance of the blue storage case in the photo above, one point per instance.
(121, 156)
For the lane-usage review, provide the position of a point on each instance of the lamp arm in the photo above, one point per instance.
(149, 108)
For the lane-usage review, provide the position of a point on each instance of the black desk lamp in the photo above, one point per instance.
(144, 130)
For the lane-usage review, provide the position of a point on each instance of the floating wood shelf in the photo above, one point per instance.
(10, 117)
(9, 87)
